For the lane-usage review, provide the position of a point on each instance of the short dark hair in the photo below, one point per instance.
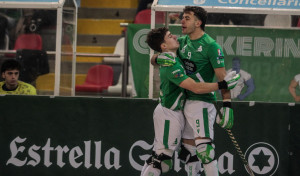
(156, 37)
(10, 64)
(199, 12)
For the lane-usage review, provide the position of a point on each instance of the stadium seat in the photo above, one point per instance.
(27, 41)
(99, 78)
(119, 49)
(144, 17)
(118, 87)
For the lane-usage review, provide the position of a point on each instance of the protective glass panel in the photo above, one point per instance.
(68, 34)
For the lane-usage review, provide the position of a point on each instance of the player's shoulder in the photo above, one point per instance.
(210, 42)
(27, 88)
(25, 85)
(208, 39)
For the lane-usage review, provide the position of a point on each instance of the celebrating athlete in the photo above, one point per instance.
(202, 58)
(168, 118)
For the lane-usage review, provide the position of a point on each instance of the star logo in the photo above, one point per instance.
(262, 158)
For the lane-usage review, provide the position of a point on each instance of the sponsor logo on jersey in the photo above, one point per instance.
(200, 49)
(220, 61)
(178, 75)
(189, 66)
(220, 52)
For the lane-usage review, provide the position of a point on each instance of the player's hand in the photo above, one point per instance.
(166, 59)
(232, 79)
(226, 121)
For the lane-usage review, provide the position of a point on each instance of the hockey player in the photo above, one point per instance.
(168, 118)
(202, 58)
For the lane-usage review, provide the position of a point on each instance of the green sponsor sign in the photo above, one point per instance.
(75, 136)
(270, 56)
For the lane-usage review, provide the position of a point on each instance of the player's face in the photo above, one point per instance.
(171, 41)
(188, 23)
(11, 78)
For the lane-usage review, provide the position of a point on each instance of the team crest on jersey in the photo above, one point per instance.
(183, 49)
(200, 49)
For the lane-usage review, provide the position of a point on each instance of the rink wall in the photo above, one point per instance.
(41, 135)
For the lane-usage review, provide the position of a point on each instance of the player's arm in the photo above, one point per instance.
(198, 88)
(220, 74)
(153, 60)
(229, 82)
(292, 90)
(226, 121)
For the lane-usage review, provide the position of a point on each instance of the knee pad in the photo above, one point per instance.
(185, 155)
(206, 152)
(162, 162)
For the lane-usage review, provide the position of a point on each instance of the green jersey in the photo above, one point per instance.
(200, 57)
(171, 95)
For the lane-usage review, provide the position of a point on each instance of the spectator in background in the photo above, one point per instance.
(10, 71)
(292, 88)
(245, 79)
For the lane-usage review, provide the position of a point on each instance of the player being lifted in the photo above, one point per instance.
(168, 118)
(202, 58)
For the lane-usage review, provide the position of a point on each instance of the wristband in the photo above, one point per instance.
(222, 85)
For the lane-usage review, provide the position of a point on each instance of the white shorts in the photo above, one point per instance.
(168, 127)
(200, 117)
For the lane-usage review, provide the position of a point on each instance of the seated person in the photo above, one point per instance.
(10, 70)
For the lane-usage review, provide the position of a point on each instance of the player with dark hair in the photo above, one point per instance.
(168, 118)
(10, 71)
(202, 58)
